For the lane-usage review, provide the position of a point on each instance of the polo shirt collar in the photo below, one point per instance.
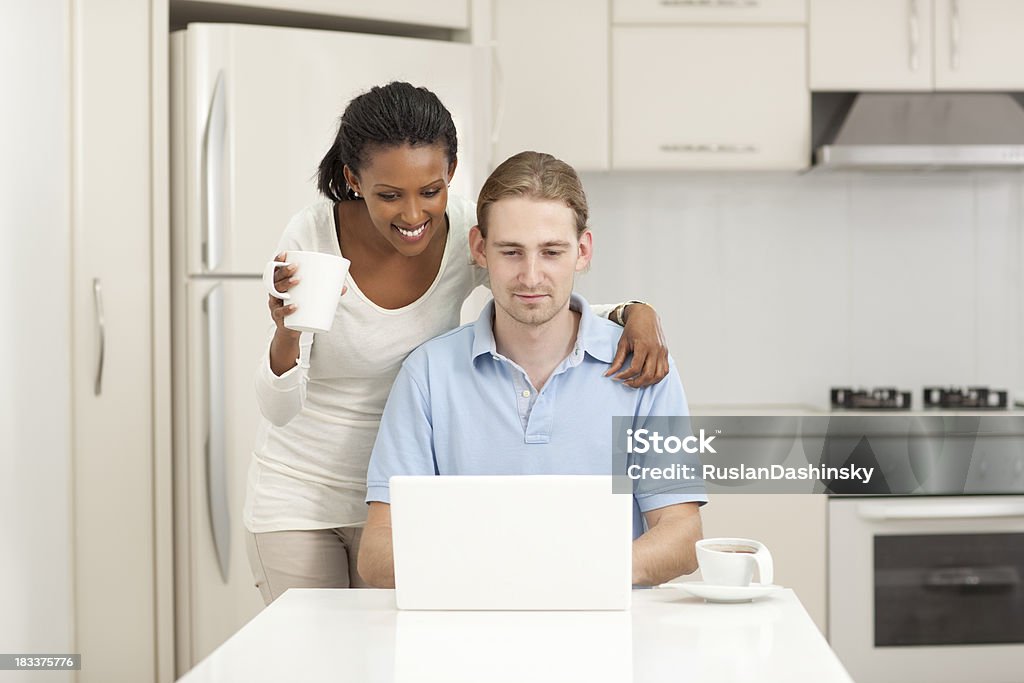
(589, 338)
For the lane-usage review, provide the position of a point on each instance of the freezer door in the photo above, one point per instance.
(262, 108)
(226, 328)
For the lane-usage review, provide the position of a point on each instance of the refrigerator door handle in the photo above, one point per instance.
(216, 446)
(214, 185)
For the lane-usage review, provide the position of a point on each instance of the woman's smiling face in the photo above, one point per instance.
(405, 188)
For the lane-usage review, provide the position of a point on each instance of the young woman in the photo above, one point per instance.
(387, 210)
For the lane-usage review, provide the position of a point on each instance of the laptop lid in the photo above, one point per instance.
(545, 542)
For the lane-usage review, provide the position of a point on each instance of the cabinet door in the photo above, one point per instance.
(553, 99)
(870, 44)
(112, 287)
(978, 45)
(706, 97)
(441, 13)
(711, 11)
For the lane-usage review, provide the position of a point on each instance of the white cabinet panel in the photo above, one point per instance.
(111, 285)
(978, 45)
(443, 13)
(916, 45)
(870, 44)
(553, 99)
(711, 11)
(710, 98)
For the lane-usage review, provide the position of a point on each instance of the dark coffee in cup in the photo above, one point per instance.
(732, 549)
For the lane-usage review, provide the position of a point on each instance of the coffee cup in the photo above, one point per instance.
(321, 278)
(731, 561)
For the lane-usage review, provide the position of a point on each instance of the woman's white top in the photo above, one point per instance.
(320, 418)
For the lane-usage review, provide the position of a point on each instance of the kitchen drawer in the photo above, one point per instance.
(710, 11)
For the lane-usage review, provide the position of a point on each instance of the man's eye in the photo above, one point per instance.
(509, 253)
(552, 252)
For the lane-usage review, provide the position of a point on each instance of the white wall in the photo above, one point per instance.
(773, 287)
(35, 394)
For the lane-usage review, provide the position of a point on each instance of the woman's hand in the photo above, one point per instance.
(284, 279)
(643, 337)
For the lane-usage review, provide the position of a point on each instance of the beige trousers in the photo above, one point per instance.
(318, 558)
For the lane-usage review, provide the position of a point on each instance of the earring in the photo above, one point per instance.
(356, 194)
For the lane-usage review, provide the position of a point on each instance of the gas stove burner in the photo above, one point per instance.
(970, 398)
(883, 398)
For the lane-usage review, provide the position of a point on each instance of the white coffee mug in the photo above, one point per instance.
(731, 561)
(321, 278)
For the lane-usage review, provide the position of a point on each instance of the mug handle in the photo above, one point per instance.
(268, 280)
(765, 566)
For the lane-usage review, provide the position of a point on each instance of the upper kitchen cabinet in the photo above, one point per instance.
(916, 45)
(871, 45)
(551, 80)
(978, 45)
(710, 97)
(439, 13)
(710, 11)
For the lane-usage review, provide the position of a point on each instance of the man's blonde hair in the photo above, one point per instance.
(534, 175)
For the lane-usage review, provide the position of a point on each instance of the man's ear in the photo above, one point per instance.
(477, 245)
(586, 251)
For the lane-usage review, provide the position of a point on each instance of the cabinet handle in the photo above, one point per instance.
(954, 34)
(712, 148)
(101, 335)
(711, 3)
(915, 36)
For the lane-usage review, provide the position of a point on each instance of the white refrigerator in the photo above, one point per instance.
(253, 110)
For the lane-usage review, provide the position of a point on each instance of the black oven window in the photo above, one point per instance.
(949, 589)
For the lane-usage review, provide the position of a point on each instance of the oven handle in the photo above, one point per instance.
(967, 578)
(882, 513)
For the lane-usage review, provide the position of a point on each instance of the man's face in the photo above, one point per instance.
(532, 255)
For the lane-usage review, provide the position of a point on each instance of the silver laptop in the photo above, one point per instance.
(511, 543)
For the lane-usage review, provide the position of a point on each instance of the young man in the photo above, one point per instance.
(520, 391)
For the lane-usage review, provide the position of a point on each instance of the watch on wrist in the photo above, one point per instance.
(620, 310)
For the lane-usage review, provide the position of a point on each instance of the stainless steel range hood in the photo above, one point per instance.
(923, 131)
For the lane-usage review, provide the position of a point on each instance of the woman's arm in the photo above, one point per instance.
(280, 397)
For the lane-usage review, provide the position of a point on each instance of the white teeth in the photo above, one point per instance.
(413, 233)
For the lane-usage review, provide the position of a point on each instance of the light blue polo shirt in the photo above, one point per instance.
(458, 407)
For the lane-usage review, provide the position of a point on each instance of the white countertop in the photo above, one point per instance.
(337, 635)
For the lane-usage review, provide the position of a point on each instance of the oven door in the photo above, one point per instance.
(928, 588)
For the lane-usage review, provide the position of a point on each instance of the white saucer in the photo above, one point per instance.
(714, 593)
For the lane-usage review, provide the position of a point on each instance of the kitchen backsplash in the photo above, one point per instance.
(772, 287)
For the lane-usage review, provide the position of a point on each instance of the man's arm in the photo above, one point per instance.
(404, 446)
(376, 563)
(666, 550)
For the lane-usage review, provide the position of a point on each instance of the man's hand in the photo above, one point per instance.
(376, 562)
(643, 337)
